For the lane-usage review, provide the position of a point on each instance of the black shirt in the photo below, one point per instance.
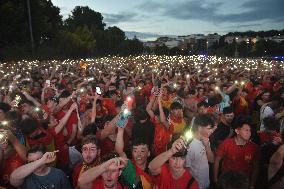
(221, 133)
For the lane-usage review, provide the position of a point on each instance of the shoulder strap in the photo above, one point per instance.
(190, 182)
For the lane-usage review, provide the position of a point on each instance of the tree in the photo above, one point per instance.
(14, 30)
(131, 47)
(161, 50)
(79, 44)
(84, 16)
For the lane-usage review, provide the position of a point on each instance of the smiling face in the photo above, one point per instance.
(140, 154)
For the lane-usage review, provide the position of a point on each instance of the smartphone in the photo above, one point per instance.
(98, 90)
(47, 83)
(123, 118)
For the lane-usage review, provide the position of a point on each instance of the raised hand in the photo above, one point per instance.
(115, 163)
(74, 106)
(49, 157)
(178, 145)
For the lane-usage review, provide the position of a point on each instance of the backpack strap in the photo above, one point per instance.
(190, 182)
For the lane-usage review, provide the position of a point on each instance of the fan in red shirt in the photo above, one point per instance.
(105, 175)
(59, 130)
(238, 153)
(162, 134)
(90, 153)
(241, 103)
(13, 154)
(270, 134)
(35, 134)
(174, 174)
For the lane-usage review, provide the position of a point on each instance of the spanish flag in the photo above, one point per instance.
(135, 176)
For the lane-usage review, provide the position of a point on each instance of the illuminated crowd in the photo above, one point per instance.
(146, 121)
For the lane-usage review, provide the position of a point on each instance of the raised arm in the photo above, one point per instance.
(276, 162)
(18, 176)
(32, 99)
(86, 179)
(19, 148)
(64, 120)
(109, 129)
(156, 164)
(119, 143)
(64, 102)
(163, 118)
(149, 107)
(94, 108)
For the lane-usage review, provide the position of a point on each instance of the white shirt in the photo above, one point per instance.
(265, 111)
(196, 160)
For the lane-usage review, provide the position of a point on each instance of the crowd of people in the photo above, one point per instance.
(186, 122)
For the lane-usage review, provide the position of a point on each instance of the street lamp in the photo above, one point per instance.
(236, 50)
(207, 47)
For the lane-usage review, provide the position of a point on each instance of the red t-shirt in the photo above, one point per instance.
(236, 157)
(7, 167)
(266, 137)
(110, 105)
(73, 119)
(63, 154)
(165, 179)
(76, 173)
(99, 184)
(47, 141)
(107, 145)
(162, 137)
(241, 106)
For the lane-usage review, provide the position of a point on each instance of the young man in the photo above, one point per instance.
(224, 128)
(199, 151)
(238, 153)
(36, 174)
(176, 119)
(90, 154)
(174, 174)
(105, 175)
(136, 172)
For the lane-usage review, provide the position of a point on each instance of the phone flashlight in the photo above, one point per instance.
(187, 136)
(4, 123)
(91, 79)
(125, 111)
(98, 90)
(37, 109)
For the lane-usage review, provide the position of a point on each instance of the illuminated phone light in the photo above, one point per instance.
(4, 123)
